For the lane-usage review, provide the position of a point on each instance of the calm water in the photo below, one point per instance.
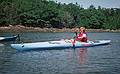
(93, 60)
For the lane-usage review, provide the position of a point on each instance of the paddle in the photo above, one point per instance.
(74, 39)
(18, 37)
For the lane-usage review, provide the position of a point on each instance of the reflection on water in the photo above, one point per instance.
(82, 55)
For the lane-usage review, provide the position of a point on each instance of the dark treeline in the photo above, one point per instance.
(42, 13)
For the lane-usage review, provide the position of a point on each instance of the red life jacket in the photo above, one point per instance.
(84, 39)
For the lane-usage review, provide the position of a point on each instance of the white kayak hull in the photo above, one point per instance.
(58, 44)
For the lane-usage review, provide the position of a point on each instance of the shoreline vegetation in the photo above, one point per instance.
(20, 28)
(39, 14)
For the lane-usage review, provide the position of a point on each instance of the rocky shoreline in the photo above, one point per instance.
(20, 28)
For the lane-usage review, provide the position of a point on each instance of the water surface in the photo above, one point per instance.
(93, 60)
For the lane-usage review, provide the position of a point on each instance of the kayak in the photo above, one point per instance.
(67, 43)
(12, 38)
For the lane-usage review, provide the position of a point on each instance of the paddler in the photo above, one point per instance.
(82, 36)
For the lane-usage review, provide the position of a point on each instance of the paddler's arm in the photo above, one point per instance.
(75, 35)
(75, 30)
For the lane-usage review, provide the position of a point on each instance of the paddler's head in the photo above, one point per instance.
(82, 29)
